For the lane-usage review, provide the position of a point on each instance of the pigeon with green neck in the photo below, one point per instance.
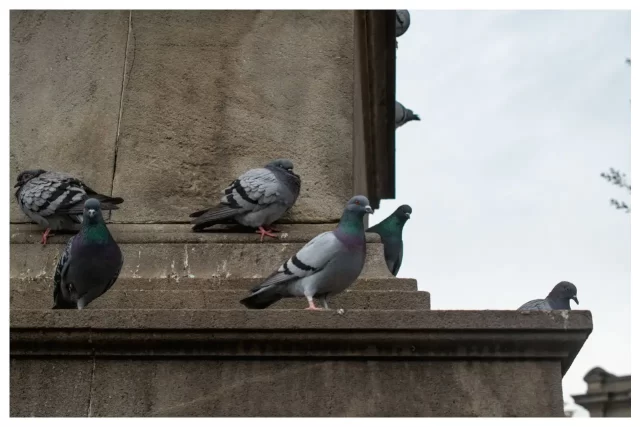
(325, 266)
(90, 263)
(390, 232)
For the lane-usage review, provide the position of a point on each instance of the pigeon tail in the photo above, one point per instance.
(208, 217)
(262, 298)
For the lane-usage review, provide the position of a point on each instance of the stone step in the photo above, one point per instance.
(45, 283)
(227, 299)
(173, 251)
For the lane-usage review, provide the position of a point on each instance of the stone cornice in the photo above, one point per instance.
(370, 334)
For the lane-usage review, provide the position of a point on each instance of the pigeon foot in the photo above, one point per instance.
(263, 232)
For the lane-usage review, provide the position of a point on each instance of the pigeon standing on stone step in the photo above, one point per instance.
(325, 266)
(256, 199)
(404, 115)
(558, 299)
(403, 20)
(390, 232)
(55, 200)
(90, 263)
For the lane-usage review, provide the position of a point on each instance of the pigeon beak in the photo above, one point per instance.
(92, 212)
(368, 209)
(17, 185)
(575, 298)
(408, 215)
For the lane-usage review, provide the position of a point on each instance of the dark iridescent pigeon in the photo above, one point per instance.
(558, 298)
(89, 265)
(390, 231)
(256, 199)
(404, 115)
(325, 266)
(55, 200)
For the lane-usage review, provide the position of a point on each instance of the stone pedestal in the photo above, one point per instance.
(164, 109)
(291, 362)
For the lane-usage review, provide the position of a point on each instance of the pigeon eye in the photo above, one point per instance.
(357, 202)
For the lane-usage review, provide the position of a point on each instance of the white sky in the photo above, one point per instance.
(520, 111)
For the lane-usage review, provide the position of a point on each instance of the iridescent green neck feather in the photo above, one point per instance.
(96, 233)
(390, 227)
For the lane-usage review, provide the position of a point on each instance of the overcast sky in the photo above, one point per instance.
(521, 111)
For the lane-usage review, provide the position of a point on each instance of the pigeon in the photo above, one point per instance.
(325, 266)
(390, 231)
(404, 115)
(403, 20)
(256, 199)
(55, 200)
(90, 263)
(558, 298)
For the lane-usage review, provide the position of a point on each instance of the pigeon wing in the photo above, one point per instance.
(536, 304)
(60, 273)
(313, 257)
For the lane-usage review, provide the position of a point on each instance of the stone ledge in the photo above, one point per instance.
(186, 260)
(223, 299)
(45, 283)
(23, 233)
(413, 334)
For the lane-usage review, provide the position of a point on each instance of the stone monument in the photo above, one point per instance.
(166, 108)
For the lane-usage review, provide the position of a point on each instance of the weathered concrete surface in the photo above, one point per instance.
(210, 94)
(247, 363)
(323, 388)
(182, 233)
(57, 387)
(223, 299)
(184, 260)
(66, 82)
(438, 321)
(161, 251)
(44, 283)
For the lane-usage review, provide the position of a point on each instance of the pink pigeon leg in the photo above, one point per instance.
(45, 235)
(264, 232)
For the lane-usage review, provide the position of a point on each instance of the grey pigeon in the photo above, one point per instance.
(390, 232)
(90, 263)
(403, 20)
(256, 199)
(55, 200)
(325, 266)
(558, 298)
(404, 115)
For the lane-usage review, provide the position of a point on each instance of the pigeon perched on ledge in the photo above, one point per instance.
(90, 264)
(390, 232)
(404, 115)
(55, 200)
(558, 299)
(403, 20)
(325, 266)
(256, 199)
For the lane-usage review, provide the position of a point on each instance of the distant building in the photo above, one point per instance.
(607, 395)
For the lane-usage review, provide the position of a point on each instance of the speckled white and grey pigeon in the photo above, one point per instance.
(256, 199)
(325, 266)
(403, 20)
(390, 232)
(558, 299)
(404, 115)
(55, 200)
(90, 264)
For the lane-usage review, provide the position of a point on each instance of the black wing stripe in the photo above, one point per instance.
(240, 190)
(54, 196)
(302, 266)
